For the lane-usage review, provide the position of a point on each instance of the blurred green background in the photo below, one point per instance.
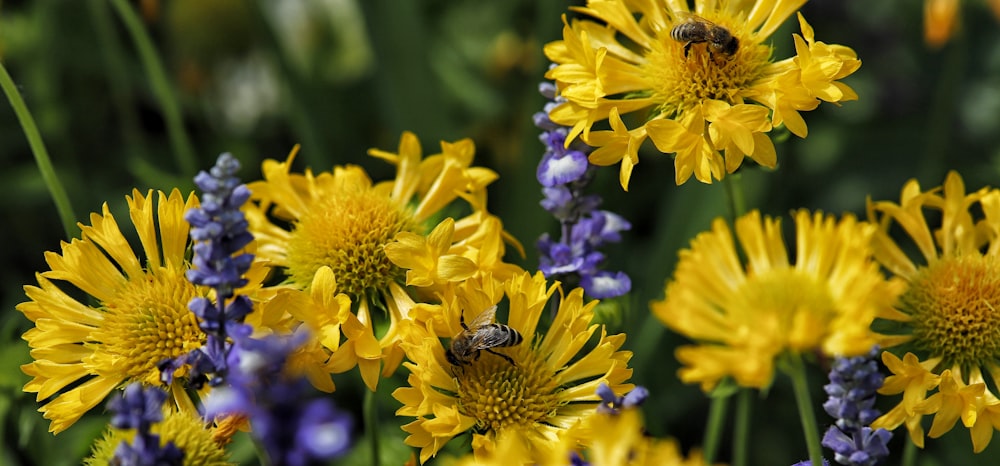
(256, 77)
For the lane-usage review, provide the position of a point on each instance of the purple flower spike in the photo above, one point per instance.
(852, 388)
(563, 173)
(219, 230)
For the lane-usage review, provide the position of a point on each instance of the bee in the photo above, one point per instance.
(696, 30)
(482, 334)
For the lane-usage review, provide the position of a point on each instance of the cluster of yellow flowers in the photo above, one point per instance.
(401, 272)
(373, 271)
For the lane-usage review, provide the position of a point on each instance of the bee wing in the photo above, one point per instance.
(489, 339)
(484, 318)
(687, 16)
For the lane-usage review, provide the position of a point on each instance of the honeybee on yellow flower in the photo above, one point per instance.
(694, 29)
(482, 335)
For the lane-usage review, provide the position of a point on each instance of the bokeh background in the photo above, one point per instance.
(255, 77)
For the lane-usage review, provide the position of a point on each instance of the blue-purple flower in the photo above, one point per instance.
(852, 388)
(139, 408)
(613, 404)
(294, 428)
(564, 172)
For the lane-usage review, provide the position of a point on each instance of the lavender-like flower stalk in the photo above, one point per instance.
(293, 428)
(564, 173)
(219, 230)
(139, 408)
(853, 382)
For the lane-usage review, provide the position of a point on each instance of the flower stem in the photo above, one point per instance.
(741, 429)
(182, 149)
(713, 431)
(56, 189)
(797, 372)
(734, 192)
(909, 453)
(371, 424)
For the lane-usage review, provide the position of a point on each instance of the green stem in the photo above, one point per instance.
(648, 336)
(371, 424)
(741, 430)
(304, 118)
(943, 109)
(797, 372)
(56, 189)
(734, 192)
(182, 149)
(117, 73)
(713, 430)
(909, 453)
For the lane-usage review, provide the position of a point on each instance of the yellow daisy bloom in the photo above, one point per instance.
(744, 316)
(549, 383)
(946, 326)
(699, 82)
(186, 430)
(139, 313)
(342, 221)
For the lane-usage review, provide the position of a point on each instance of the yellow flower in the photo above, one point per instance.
(947, 325)
(341, 222)
(694, 99)
(613, 440)
(139, 313)
(551, 383)
(743, 317)
(186, 430)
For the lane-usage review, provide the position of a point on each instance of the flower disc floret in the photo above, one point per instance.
(952, 304)
(347, 232)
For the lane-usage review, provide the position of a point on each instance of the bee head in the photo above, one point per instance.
(450, 356)
(731, 46)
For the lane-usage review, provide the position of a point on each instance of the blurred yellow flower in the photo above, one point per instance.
(946, 326)
(612, 439)
(133, 315)
(743, 317)
(941, 19)
(694, 99)
(340, 223)
(550, 385)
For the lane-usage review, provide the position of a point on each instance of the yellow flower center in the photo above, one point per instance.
(146, 322)
(498, 394)
(785, 305)
(347, 232)
(682, 82)
(954, 304)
